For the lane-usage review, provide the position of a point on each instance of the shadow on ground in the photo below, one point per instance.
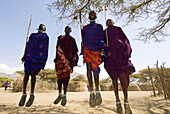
(78, 108)
(152, 105)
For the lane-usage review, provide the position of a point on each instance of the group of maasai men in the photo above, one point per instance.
(110, 46)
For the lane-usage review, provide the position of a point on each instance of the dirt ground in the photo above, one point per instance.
(141, 102)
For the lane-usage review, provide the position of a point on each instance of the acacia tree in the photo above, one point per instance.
(130, 10)
(143, 75)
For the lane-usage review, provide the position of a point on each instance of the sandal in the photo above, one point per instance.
(64, 100)
(98, 98)
(30, 101)
(119, 107)
(58, 99)
(92, 100)
(22, 101)
(127, 108)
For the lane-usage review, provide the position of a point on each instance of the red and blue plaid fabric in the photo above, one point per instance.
(94, 58)
(93, 37)
(62, 66)
(60, 70)
(37, 49)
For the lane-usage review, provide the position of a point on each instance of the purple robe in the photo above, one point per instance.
(7, 84)
(120, 49)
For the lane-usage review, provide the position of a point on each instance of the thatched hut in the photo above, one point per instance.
(77, 86)
(146, 87)
(133, 87)
(106, 87)
(40, 87)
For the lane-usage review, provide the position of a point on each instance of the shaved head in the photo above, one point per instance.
(92, 15)
(109, 22)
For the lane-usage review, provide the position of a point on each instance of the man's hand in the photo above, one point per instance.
(102, 53)
(55, 60)
(22, 59)
(82, 49)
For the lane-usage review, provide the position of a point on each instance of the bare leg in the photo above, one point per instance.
(126, 103)
(125, 92)
(98, 95)
(25, 81)
(92, 100)
(89, 76)
(65, 82)
(59, 82)
(96, 80)
(118, 103)
(33, 81)
(31, 99)
(124, 79)
(115, 86)
(23, 98)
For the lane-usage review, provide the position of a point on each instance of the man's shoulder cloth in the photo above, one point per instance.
(86, 25)
(99, 25)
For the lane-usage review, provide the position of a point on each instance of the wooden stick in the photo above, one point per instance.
(163, 82)
(107, 43)
(160, 75)
(81, 27)
(85, 5)
(27, 35)
(150, 75)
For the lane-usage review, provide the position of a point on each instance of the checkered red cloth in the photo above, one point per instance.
(66, 56)
(93, 37)
(94, 58)
(93, 42)
(61, 71)
(62, 65)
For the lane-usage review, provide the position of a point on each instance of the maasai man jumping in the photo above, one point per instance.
(35, 58)
(93, 43)
(118, 64)
(66, 59)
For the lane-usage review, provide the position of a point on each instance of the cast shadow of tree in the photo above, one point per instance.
(34, 109)
(78, 108)
(152, 105)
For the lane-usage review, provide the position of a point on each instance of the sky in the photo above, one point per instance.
(15, 16)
